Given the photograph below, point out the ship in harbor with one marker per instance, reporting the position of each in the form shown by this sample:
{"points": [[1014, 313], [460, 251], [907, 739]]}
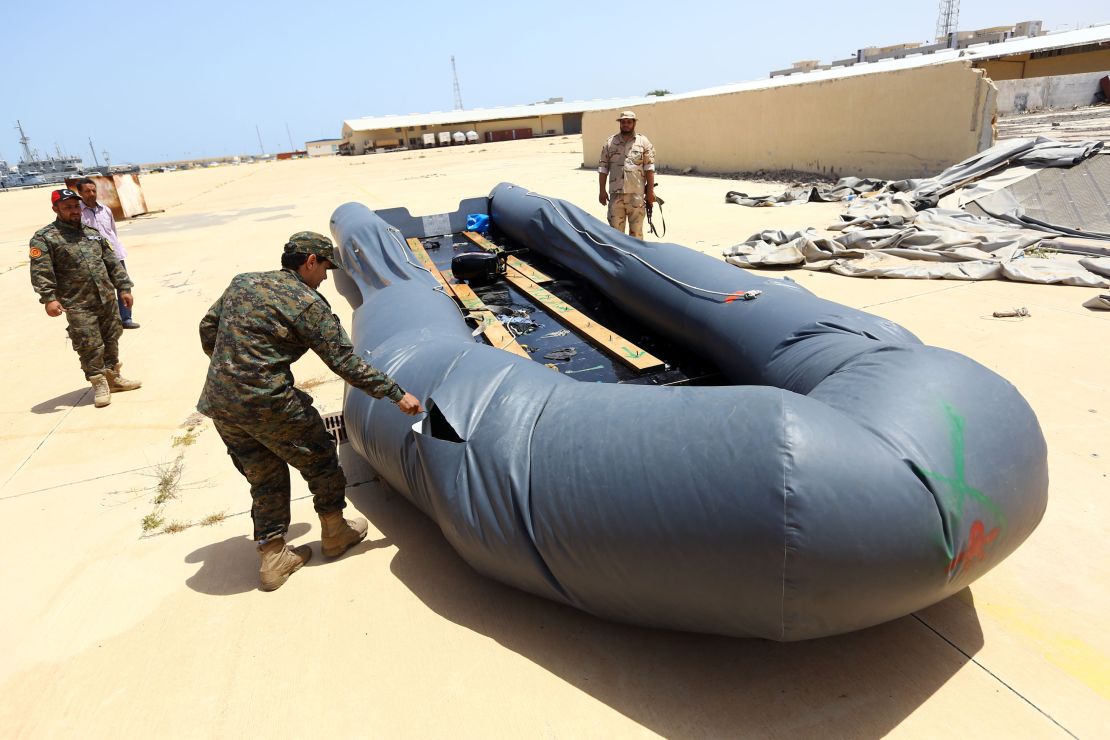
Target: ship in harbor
{"points": [[34, 169]]}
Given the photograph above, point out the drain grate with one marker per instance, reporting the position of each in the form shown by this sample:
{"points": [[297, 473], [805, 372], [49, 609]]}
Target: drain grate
{"points": [[333, 422]]}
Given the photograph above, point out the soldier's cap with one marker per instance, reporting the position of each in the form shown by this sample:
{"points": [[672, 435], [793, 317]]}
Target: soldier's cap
{"points": [[627, 114], [309, 242], [63, 194]]}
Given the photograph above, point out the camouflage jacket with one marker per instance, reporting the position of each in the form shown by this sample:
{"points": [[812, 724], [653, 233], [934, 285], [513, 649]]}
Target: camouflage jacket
{"points": [[626, 161], [261, 325], [75, 266]]}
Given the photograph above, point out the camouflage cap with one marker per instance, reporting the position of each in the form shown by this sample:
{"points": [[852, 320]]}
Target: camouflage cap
{"points": [[309, 242], [627, 115]]}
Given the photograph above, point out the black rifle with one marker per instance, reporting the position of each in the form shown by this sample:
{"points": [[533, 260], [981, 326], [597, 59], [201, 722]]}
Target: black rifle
{"points": [[651, 226]]}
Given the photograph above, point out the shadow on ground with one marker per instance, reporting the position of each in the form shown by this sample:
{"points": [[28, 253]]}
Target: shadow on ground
{"points": [[679, 684], [79, 397], [231, 567]]}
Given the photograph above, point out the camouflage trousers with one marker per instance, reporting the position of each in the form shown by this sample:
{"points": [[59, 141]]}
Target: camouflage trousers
{"points": [[95, 335], [263, 451], [627, 207]]}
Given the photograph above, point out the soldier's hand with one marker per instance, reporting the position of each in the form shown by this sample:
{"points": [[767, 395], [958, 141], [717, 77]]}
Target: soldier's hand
{"points": [[127, 299], [410, 405], [54, 309], [650, 196], [603, 198]]}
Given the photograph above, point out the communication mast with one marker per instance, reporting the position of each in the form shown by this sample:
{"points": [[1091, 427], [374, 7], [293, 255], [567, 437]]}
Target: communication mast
{"points": [[948, 19], [455, 75]]}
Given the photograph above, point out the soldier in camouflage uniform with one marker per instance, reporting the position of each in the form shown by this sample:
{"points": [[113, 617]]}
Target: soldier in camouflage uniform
{"points": [[262, 323], [628, 163], [75, 271]]}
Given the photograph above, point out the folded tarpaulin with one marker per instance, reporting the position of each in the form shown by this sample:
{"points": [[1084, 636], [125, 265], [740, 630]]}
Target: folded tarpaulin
{"points": [[891, 235], [1036, 153], [845, 189], [1040, 152], [940, 245]]}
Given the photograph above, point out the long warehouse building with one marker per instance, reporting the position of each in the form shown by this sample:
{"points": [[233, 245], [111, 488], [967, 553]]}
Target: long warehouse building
{"points": [[420, 130]]}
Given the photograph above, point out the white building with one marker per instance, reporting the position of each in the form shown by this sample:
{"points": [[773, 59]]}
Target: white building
{"points": [[322, 147]]}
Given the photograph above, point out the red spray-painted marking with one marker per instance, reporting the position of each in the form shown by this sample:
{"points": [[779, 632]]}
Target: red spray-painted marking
{"points": [[977, 542]]}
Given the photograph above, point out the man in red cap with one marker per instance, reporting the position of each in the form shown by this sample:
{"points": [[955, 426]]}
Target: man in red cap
{"points": [[75, 271]]}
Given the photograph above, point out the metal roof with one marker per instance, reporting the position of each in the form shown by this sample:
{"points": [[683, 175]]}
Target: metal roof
{"points": [[473, 115], [981, 52]]}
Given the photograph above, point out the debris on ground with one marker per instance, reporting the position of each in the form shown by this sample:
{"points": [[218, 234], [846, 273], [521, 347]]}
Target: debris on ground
{"points": [[1100, 302], [1022, 312]]}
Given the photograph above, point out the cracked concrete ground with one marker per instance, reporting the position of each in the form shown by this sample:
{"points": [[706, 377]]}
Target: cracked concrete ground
{"points": [[110, 631]]}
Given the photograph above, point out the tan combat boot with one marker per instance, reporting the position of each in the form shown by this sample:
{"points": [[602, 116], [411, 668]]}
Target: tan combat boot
{"points": [[341, 534], [103, 394], [279, 562], [119, 383]]}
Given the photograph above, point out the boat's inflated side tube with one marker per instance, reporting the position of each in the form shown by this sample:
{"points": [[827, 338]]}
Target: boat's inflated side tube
{"points": [[856, 476]]}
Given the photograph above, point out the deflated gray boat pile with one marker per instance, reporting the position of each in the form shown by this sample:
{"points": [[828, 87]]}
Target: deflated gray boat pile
{"points": [[851, 475]]}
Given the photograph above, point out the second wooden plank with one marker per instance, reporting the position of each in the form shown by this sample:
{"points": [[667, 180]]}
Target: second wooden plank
{"points": [[613, 344]]}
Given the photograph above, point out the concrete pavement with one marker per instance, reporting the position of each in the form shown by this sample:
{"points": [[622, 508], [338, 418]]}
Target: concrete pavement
{"points": [[110, 631]]}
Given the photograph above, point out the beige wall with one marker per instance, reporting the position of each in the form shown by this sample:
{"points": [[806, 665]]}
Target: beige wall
{"points": [[1022, 67], [907, 123]]}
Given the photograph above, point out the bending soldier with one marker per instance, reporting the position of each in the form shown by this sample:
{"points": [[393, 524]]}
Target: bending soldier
{"points": [[262, 323]]}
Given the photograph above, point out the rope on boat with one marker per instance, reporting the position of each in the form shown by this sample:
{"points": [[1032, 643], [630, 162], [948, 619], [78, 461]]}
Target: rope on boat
{"points": [[625, 252]]}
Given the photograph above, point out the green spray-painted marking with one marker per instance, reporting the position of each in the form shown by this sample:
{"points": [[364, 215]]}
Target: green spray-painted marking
{"points": [[959, 489], [630, 354]]}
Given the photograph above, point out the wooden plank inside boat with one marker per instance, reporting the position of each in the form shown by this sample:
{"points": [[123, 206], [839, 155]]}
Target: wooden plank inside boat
{"points": [[613, 344], [422, 255], [492, 329]]}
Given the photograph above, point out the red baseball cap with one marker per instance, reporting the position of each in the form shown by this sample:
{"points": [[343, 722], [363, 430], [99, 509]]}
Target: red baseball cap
{"points": [[63, 194]]}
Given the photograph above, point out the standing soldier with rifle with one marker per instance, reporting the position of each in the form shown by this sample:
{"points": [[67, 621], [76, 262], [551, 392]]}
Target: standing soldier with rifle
{"points": [[628, 164]]}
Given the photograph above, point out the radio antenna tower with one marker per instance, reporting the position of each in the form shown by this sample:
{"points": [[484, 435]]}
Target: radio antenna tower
{"points": [[455, 75], [948, 19]]}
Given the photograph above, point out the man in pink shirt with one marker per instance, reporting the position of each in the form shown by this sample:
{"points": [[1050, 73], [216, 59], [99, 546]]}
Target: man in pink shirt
{"points": [[100, 218]]}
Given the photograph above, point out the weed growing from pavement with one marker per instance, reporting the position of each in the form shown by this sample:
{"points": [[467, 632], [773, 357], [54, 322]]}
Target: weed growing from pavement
{"points": [[211, 519], [168, 476], [167, 482], [153, 520], [188, 439]]}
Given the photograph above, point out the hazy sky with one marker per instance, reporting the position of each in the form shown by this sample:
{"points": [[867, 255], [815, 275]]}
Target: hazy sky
{"points": [[154, 81]]}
